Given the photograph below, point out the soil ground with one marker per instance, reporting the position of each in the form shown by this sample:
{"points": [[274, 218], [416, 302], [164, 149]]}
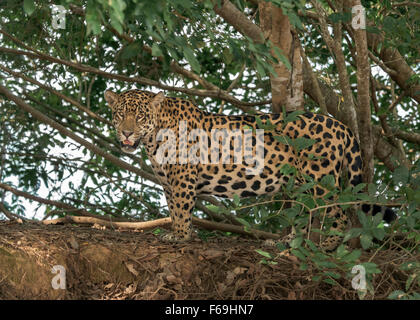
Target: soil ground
{"points": [[117, 264]]}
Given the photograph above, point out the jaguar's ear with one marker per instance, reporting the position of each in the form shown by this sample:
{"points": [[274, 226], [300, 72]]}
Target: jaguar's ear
{"points": [[157, 100], [111, 98]]}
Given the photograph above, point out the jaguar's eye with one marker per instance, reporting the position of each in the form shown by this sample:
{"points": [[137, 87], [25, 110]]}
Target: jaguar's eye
{"points": [[116, 116]]}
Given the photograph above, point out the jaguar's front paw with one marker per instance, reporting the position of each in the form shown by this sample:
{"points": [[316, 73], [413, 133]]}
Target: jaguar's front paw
{"points": [[173, 238]]}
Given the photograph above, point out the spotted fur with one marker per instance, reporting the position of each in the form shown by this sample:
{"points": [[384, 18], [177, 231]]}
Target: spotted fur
{"points": [[139, 115]]}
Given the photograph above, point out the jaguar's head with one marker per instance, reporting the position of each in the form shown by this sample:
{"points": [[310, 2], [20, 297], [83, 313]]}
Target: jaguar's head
{"points": [[134, 115]]}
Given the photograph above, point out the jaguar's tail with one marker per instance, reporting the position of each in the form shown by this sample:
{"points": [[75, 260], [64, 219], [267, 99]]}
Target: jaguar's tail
{"points": [[389, 214], [353, 162]]}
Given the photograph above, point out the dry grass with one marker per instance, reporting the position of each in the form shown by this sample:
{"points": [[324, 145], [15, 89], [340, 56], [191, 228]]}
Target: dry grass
{"points": [[115, 264]]}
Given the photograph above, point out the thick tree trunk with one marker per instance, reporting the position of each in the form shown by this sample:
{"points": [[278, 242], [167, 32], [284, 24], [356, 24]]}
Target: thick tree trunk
{"points": [[383, 149], [363, 100], [286, 85]]}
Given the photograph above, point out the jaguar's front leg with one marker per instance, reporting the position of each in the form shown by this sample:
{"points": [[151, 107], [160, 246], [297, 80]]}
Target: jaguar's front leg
{"points": [[181, 201]]}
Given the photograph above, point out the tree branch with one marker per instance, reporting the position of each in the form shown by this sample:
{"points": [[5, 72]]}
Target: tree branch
{"points": [[238, 20], [217, 93], [383, 150], [363, 101], [92, 219], [57, 93], [43, 118], [334, 45]]}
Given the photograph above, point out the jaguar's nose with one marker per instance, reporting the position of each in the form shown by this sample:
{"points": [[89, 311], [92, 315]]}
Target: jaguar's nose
{"points": [[127, 133]]}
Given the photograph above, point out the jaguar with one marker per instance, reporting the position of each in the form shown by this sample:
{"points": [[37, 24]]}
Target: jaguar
{"points": [[192, 153]]}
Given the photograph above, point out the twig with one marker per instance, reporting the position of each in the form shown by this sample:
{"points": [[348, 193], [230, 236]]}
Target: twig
{"points": [[57, 93], [220, 94], [406, 3], [7, 213], [129, 225], [164, 222]]}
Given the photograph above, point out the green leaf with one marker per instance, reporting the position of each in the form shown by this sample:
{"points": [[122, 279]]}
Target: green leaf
{"points": [[192, 60], [156, 52], [372, 189], [298, 254], [228, 56], [305, 187], [341, 251], [371, 267], [340, 17], [303, 266], [236, 200], [296, 242], [302, 143], [92, 21], [326, 264], [260, 69], [294, 20], [397, 294], [244, 222], [29, 6], [410, 281], [328, 182], [401, 175], [292, 116], [329, 281], [265, 126], [316, 278], [116, 21], [131, 50], [311, 245], [281, 57], [332, 274], [214, 208], [283, 139], [291, 212], [281, 246], [377, 219], [366, 241], [352, 233], [352, 256], [363, 219], [358, 188], [264, 253]]}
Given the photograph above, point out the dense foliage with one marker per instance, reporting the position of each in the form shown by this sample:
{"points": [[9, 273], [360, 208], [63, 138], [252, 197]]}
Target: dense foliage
{"points": [[186, 49]]}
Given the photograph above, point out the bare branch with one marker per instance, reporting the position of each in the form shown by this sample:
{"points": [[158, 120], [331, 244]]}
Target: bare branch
{"points": [[245, 106], [406, 3], [407, 136], [238, 20], [57, 93], [334, 45], [43, 118]]}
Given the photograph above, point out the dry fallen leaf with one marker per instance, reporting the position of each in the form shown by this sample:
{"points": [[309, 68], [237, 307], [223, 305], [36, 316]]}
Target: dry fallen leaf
{"points": [[130, 267], [239, 270], [109, 286], [73, 243], [173, 279], [213, 253]]}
